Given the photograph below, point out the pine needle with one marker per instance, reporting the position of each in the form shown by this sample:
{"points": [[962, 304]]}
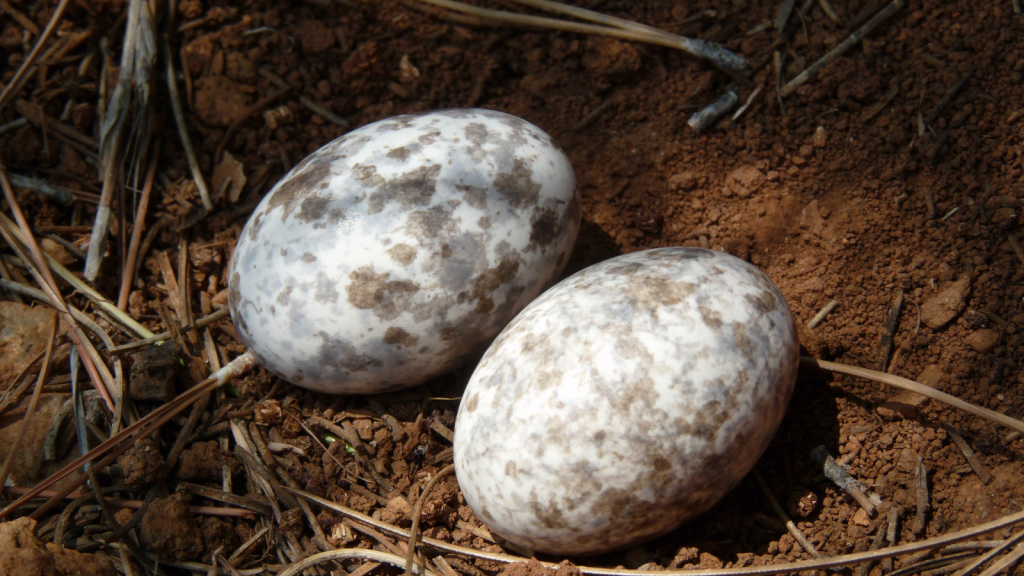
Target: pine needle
{"points": [[622, 29]]}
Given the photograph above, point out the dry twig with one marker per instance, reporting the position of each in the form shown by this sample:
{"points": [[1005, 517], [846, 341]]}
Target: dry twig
{"points": [[972, 459], [15, 84], [889, 331], [948, 96], [708, 115], [199, 324], [825, 311], [876, 543], [842, 479], [793, 530], [921, 485], [841, 48], [116, 444], [140, 223]]}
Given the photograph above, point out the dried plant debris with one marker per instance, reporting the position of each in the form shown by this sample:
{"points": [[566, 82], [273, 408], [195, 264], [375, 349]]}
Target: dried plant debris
{"points": [[880, 153]]}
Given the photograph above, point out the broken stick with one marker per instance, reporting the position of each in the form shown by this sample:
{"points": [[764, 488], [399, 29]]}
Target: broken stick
{"points": [[842, 478], [948, 97], [825, 311], [790, 526], [972, 459], [921, 483], [713, 111]]}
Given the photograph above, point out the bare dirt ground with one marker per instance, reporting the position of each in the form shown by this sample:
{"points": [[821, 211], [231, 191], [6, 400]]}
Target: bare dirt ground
{"points": [[898, 169]]}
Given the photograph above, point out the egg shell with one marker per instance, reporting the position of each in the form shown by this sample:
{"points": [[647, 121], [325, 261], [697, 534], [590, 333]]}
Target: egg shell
{"points": [[396, 252], [626, 400]]}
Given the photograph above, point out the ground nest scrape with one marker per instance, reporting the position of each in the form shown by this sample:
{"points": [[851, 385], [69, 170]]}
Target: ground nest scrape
{"points": [[883, 196]]}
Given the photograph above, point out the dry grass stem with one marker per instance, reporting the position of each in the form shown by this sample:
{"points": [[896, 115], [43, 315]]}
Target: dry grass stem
{"points": [[921, 389], [242, 552], [140, 223], [750, 100], [15, 84], [782, 17], [988, 556], [258, 473], [418, 511], [5, 399], [1006, 561], [179, 118], [110, 383], [98, 299], [199, 324], [699, 48], [345, 553], [337, 431], [923, 498], [948, 97], [116, 445], [816, 564], [1015, 245], [44, 277], [243, 117], [34, 114], [24, 21], [196, 567], [5, 274], [892, 319], [829, 10]]}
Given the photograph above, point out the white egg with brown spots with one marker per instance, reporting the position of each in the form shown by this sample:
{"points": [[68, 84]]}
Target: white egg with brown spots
{"points": [[396, 252], [626, 400]]}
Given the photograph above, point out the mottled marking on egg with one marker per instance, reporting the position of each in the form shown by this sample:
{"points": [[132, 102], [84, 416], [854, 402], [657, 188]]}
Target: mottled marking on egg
{"points": [[626, 400], [433, 228]]}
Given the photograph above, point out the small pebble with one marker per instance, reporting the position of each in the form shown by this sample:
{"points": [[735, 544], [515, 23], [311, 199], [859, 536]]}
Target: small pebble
{"points": [[820, 137], [940, 309], [983, 341]]}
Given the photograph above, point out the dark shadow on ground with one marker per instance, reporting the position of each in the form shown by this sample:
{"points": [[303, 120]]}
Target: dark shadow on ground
{"points": [[593, 245]]}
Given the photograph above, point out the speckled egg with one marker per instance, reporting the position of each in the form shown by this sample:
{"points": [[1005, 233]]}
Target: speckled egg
{"points": [[626, 400], [396, 252]]}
